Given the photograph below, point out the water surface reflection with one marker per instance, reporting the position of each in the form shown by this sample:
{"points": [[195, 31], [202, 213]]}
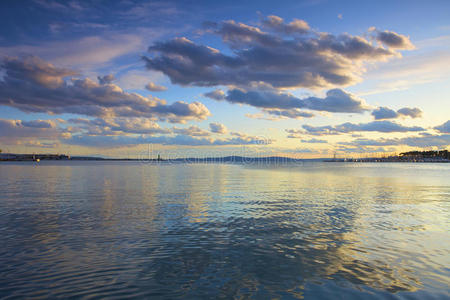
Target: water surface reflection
{"points": [[129, 229]]}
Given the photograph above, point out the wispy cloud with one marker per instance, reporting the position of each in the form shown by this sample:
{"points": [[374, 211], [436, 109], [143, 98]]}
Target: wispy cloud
{"points": [[375, 126], [414, 141], [87, 52], [426, 64]]}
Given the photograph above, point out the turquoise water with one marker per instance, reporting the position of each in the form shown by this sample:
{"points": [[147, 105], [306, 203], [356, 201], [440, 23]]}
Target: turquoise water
{"points": [[312, 230]]}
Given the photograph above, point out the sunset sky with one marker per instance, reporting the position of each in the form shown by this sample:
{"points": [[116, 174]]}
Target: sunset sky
{"points": [[211, 78]]}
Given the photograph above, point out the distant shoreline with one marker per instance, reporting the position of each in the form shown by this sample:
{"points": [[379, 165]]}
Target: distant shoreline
{"points": [[225, 159], [442, 156]]}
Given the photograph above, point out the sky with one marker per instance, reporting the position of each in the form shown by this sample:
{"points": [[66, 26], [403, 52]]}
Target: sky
{"points": [[304, 79]]}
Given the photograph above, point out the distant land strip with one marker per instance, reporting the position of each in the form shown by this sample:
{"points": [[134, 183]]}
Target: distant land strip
{"points": [[412, 156]]}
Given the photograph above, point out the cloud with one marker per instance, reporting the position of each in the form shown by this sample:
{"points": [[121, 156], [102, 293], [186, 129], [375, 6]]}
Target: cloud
{"points": [[394, 40], [384, 113], [417, 68], [444, 128], [39, 123], [215, 95], [426, 141], [278, 103], [113, 132], [423, 141], [87, 52], [20, 132], [243, 138], [344, 149], [410, 112], [287, 60], [136, 79], [276, 23], [191, 131], [33, 85], [33, 70], [377, 126], [217, 128], [315, 141], [280, 114], [118, 132], [107, 79], [337, 100], [118, 126], [293, 113], [263, 99], [381, 113], [155, 88], [261, 116], [181, 140]]}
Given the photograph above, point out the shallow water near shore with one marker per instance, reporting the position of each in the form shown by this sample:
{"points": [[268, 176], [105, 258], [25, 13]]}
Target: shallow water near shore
{"points": [[312, 230]]}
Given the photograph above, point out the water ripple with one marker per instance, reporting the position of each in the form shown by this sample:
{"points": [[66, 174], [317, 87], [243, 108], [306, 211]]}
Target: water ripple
{"points": [[125, 230]]}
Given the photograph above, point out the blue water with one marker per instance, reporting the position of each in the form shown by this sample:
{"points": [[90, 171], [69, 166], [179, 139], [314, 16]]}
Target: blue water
{"points": [[198, 231]]}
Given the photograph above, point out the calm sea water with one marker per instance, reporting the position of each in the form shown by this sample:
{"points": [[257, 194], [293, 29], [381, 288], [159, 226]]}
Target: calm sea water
{"points": [[315, 231]]}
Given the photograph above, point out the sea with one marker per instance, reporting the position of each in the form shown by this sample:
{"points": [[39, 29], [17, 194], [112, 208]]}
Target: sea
{"points": [[159, 230]]}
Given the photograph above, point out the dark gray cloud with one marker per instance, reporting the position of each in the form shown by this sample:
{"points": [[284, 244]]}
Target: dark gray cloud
{"points": [[32, 85], [381, 113], [336, 100], [107, 79], [39, 123], [32, 71], [155, 88], [377, 126], [217, 128], [444, 128], [394, 40], [280, 61], [410, 112], [264, 99]]}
